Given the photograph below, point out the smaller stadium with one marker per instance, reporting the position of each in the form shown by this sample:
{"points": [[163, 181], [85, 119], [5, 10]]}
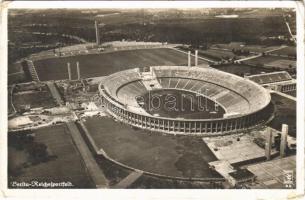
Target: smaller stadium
{"points": [[185, 100]]}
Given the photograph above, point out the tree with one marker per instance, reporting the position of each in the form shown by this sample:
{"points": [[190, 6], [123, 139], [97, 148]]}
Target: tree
{"points": [[38, 152]]}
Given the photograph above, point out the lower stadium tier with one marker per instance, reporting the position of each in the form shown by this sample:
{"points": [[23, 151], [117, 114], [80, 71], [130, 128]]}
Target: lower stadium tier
{"points": [[185, 100]]}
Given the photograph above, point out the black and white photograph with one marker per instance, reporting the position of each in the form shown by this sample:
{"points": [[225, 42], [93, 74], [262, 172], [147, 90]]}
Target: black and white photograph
{"points": [[152, 98]]}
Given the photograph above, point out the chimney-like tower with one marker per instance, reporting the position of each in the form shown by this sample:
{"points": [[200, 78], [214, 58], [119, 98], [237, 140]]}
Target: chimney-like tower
{"points": [[69, 71], [196, 57], [78, 70], [268, 143], [283, 140], [189, 59], [97, 33]]}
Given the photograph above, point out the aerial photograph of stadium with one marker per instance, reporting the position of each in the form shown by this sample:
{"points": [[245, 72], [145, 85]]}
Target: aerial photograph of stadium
{"points": [[161, 98]]}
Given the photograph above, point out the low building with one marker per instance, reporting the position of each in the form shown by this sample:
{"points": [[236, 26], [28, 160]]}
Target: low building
{"points": [[241, 176], [279, 81]]}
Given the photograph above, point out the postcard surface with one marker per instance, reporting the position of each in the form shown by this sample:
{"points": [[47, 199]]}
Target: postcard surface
{"points": [[204, 96]]}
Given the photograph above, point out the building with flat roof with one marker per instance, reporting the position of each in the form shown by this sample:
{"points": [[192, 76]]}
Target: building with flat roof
{"points": [[279, 81]]}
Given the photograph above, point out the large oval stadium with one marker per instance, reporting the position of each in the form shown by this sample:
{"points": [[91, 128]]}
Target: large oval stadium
{"points": [[185, 100]]}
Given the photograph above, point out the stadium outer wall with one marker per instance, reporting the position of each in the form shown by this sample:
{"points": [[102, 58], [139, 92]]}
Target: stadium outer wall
{"points": [[209, 127], [203, 127]]}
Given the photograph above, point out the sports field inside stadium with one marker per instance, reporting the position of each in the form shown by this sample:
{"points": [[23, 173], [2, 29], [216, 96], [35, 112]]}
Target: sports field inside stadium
{"points": [[177, 156], [188, 105], [94, 65]]}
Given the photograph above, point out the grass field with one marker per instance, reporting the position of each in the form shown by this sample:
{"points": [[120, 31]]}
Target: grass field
{"points": [[14, 68], [107, 63], [15, 73], [217, 55], [251, 48], [285, 113], [168, 155], [282, 63], [290, 51], [67, 166], [271, 61], [35, 99]]}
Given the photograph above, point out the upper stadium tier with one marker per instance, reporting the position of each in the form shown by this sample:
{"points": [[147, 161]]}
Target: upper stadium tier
{"points": [[245, 104]]}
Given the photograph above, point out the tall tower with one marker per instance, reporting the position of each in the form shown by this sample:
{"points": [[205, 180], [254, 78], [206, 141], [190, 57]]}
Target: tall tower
{"points": [[69, 71], [189, 59], [283, 140], [196, 57], [78, 70], [97, 33], [268, 143]]}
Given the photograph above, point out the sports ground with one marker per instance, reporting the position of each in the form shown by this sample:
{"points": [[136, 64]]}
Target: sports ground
{"points": [[94, 65], [187, 105]]}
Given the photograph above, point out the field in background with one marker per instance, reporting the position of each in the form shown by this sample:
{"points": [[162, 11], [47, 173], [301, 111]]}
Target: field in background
{"points": [[241, 45], [242, 69], [289, 51], [168, 25], [218, 54], [272, 61]]}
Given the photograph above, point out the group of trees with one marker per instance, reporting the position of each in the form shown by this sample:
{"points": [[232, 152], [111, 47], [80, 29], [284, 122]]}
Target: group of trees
{"points": [[25, 140]]}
